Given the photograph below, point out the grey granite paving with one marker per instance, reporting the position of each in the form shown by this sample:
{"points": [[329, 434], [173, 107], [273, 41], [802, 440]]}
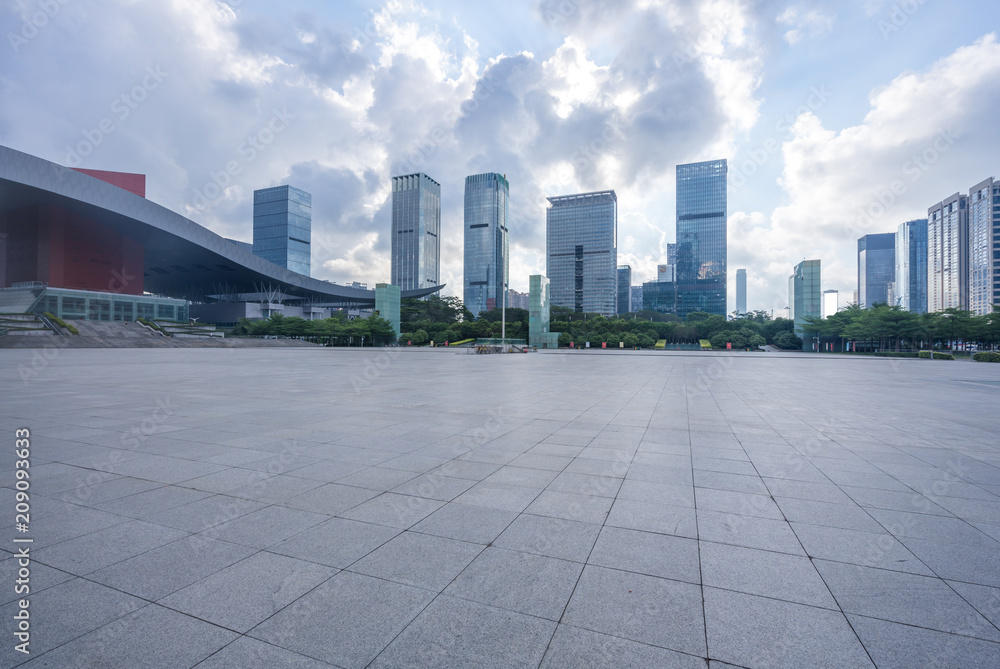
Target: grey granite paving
{"points": [[254, 507]]}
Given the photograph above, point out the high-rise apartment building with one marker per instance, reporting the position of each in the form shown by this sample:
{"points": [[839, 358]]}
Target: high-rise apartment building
{"points": [[486, 243], [984, 246], [876, 268], [416, 232], [805, 295], [741, 291], [582, 251], [282, 227], [910, 286], [624, 289], [517, 300], [948, 254], [701, 237]]}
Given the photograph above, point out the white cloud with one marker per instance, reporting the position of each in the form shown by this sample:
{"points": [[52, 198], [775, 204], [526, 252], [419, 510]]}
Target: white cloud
{"points": [[927, 135], [623, 95], [805, 23]]}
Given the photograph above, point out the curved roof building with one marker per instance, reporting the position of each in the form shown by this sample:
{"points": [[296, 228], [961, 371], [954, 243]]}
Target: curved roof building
{"points": [[95, 231]]}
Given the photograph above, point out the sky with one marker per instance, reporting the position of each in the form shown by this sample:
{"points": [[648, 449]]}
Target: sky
{"points": [[838, 119]]}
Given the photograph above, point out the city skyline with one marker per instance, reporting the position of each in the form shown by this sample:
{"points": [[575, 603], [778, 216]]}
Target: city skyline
{"points": [[561, 97]]}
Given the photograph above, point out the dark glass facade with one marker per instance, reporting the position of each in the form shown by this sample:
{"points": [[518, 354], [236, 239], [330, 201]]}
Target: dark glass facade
{"points": [[582, 251], [624, 289], [282, 227], [487, 199], [911, 266], [876, 268], [659, 296], [416, 230], [701, 237]]}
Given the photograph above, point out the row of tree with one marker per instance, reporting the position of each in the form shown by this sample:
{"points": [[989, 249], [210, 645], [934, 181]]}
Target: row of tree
{"points": [[446, 319], [334, 331], [441, 319], [884, 327]]}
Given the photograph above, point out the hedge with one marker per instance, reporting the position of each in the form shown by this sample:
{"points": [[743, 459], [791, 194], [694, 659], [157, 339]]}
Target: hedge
{"points": [[61, 323], [987, 356], [938, 355]]}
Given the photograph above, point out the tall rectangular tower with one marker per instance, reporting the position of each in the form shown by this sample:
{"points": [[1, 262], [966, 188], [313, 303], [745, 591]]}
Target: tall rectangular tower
{"points": [[624, 289], [282, 227], [984, 246], [486, 243], [948, 254], [807, 296], [701, 237], [876, 268], [582, 246], [911, 266], [741, 291], [831, 302], [416, 230]]}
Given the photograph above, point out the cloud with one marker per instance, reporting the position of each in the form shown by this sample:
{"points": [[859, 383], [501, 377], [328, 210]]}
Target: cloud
{"points": [[926, 135], [626, 92], [805, 23]]}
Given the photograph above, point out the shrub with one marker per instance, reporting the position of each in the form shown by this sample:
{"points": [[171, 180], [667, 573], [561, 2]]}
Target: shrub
{"points": [[61, 323], [938, 355], [787, 340], [987, 356]]}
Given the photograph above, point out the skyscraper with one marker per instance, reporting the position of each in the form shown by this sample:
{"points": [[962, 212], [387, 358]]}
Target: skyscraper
{"points": [[416, 230], [486, 243], [876, 268], [636, 298], [582, 247], [806, 298], [984, 246], [911, 266], [948, 254], [701, 237], [741, 291], [624, 289], [671, 254], [282, 227], [831, 302]]}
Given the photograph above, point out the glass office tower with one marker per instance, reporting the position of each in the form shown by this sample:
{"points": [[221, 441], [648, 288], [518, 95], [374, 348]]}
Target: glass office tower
{"points": [[984, 246], [911, 266], [582, 245], [876, 268], [741, 291], [636, 298], [486, 243], [624, 289], [948, 254], [416, 230], [282, 227], [807, 296], [701, 237]]}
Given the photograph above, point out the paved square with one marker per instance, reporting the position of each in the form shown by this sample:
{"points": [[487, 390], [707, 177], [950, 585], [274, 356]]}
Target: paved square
{"points": [[428, 508]]}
